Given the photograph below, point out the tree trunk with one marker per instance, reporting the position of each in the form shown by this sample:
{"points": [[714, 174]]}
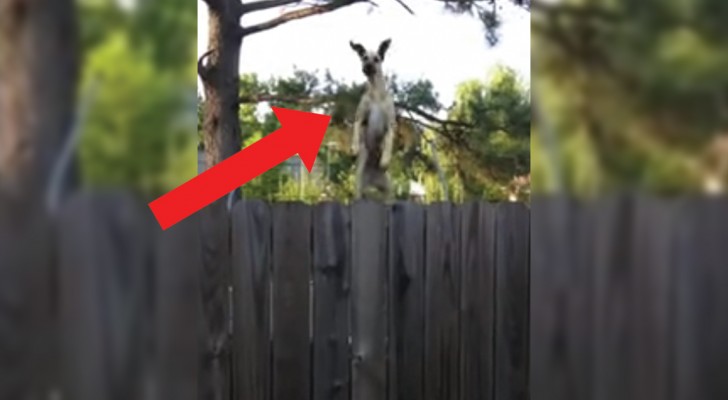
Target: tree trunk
{"points": [[39, 65], [221, 130]]}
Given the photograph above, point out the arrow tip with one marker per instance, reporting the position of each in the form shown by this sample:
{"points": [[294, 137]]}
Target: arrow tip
{"points": [[307, 129]]}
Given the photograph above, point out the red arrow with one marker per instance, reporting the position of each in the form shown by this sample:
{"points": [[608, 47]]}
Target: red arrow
{"points": [[300, 133]]}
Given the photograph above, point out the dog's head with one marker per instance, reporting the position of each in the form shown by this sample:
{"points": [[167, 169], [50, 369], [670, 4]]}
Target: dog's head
{"points": [[371, 61]]}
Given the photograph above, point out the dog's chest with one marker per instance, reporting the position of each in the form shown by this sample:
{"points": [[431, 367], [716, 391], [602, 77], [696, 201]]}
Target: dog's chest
{"points": [[375, 126]]}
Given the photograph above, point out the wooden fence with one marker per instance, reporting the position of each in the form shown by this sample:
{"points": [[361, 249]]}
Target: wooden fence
{"points": [[373, 302], [629, 299], [361, 302], [625, 298]]}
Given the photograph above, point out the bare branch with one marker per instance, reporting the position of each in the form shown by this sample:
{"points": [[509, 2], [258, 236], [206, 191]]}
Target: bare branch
{"points": [[406, 7], [293, 100], [299, 14], [432, 118], [266, 4]]}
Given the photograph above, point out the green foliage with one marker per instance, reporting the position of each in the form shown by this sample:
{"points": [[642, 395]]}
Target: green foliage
{"points": [[473, 155], [137, 133]]}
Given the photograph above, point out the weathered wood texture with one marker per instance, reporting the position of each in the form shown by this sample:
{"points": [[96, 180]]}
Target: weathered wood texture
{"points": [[369, 301], [332, 271], [252, 265], [103, 292], [328, 302], [442, 303], [626, 299], [407, 294], [511, 311], [291, 309]]}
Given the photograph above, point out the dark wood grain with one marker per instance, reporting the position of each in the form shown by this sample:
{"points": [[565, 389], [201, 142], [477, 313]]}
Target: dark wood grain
{"points": [[477, 255], [406, 293], [512, 276], [251, 278], [442, 303], [332, 264], [560, 329], [652, 255], [369, 301], [103, 277], [27, 331], [178, 316], [291, 297], [701, 301], [214, 369], [614, 299]]}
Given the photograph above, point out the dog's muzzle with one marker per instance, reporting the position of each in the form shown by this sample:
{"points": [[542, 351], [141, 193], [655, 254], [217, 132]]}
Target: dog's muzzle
{"points": [[368, 69]]}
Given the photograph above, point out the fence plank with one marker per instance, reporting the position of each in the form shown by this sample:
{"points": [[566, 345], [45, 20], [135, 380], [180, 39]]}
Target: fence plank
{"points": [[214, 372], [477, 247], [251, 277], [614, 300], [442, 303], [652, 258], [560, 299], [27, 335], [368, 301], [406, 291], [701, 301], [102, 283], [178, 314], [291, 273], [512, 274], [331, 262]]}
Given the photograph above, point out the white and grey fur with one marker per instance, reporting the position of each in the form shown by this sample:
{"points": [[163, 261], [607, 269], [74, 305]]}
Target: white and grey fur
{"points": [[375, 123]]}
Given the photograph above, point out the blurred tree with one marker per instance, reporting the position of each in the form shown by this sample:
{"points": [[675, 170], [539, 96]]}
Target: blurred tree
{"points": [[642, 86], [131, 135], [137, 131], [39, 69]]}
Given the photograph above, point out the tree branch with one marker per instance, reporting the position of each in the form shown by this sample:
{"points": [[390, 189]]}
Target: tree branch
{"points": [[406, 7], [299, 14], [266, 4]]}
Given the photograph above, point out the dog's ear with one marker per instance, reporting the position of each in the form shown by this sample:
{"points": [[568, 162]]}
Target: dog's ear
{"points": [[383, 47], [358, 48]]}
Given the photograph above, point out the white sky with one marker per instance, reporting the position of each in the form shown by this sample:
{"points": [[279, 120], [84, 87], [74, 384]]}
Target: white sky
{"points": [[433, 44]]}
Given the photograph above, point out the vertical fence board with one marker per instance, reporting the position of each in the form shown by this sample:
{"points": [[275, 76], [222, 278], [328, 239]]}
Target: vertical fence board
{"points": [[406, 291], [27, 334], [442, 316], [251, 274], [613, 300], [560, 301], [331, 263], [477, 246], [178, 309], [291, 273], [214, 371], [512, 275], [652, 256], [102, 285], [368, 301], [701, 301]]}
